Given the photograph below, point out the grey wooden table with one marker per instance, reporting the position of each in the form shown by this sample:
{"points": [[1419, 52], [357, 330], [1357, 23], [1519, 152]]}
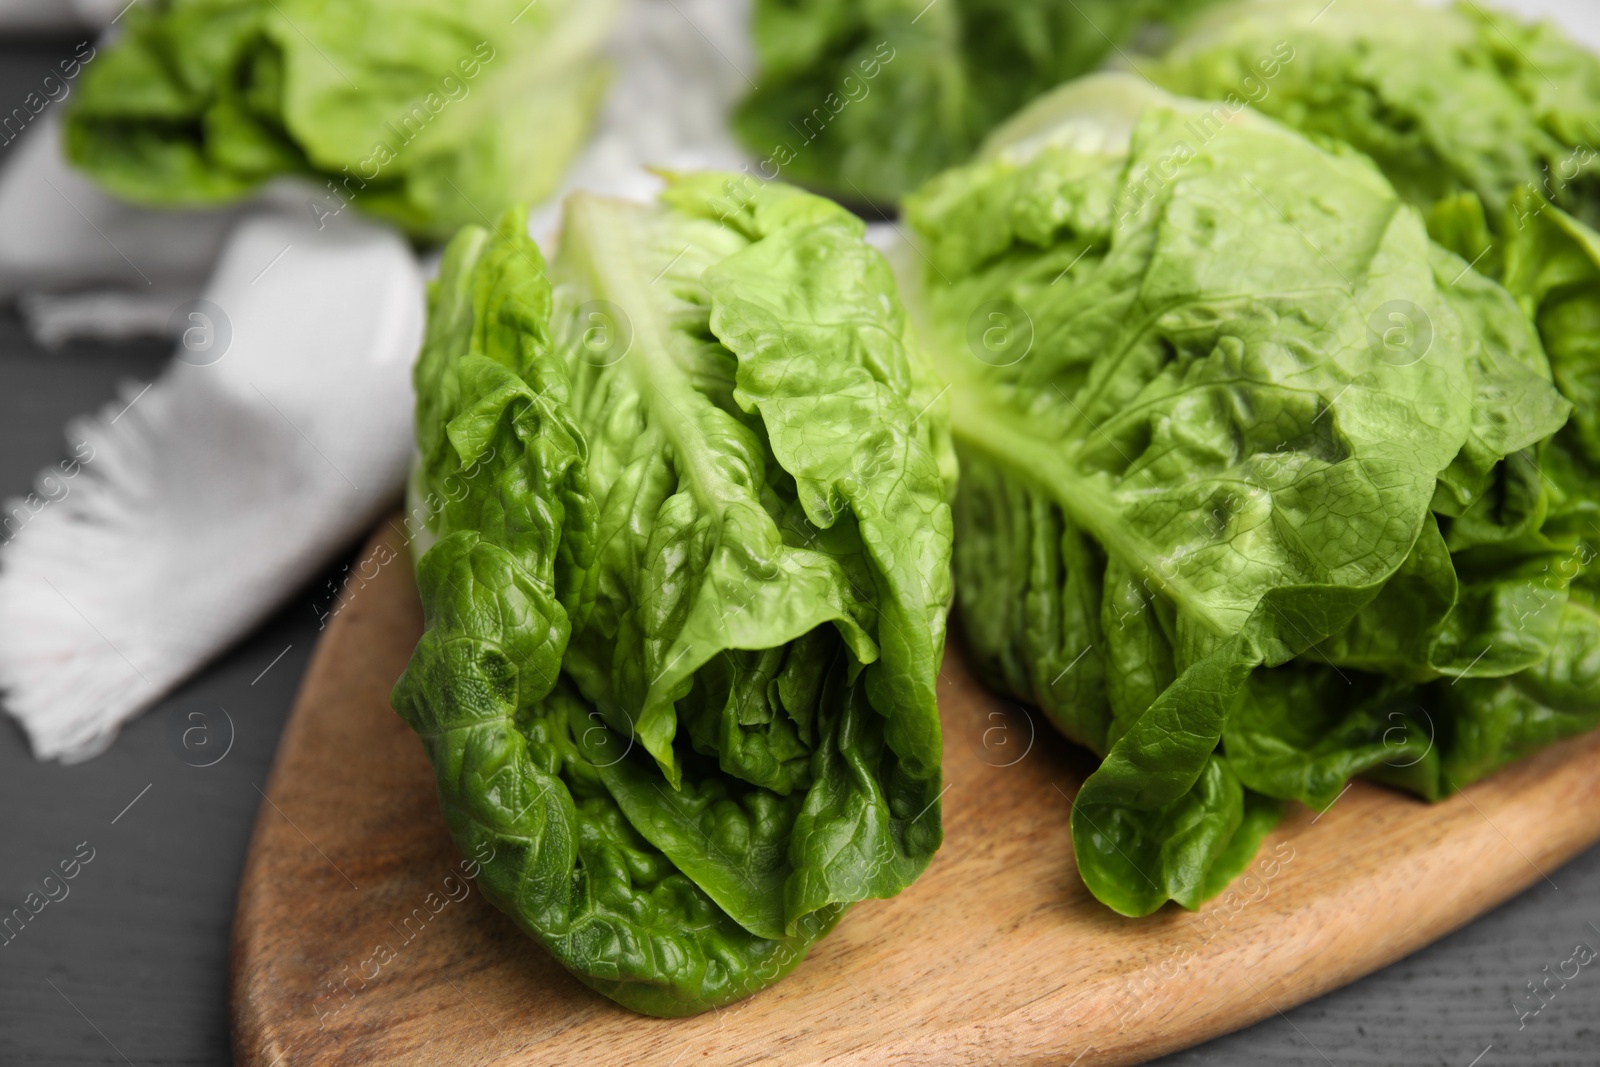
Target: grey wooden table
{"points": [[130, 967]]}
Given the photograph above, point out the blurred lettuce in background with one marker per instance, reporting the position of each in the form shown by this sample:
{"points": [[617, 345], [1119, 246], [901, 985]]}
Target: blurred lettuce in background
{"points": [[866, 100], [1447, 101], [428, 115]]}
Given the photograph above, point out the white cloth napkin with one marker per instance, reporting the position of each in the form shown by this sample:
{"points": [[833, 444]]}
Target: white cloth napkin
{"points": [[188, 510], [193, 506]]}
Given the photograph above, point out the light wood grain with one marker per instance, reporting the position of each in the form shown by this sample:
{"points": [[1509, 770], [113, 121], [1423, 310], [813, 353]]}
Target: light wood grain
{"points": [[998, 955]]}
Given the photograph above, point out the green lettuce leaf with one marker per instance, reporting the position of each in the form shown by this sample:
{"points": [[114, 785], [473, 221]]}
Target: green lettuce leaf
{"points": [[1476, 603], [687, 583], [1552, 265], [1305, 732], [428, 115], [865, 101], [1491, 722]]}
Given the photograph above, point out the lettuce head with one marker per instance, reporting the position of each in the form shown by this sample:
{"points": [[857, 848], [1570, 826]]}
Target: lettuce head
{"points": [[686, 580], [429, 115], [1261, 487]]}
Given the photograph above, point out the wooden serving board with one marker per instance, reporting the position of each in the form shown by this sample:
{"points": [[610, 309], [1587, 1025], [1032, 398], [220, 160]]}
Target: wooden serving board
{"points": [[358, 941]]}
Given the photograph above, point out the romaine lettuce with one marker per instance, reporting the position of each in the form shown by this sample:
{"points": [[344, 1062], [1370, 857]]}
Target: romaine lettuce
{"points": [[1251, 494], [687, 583], [428, 115], [866, 100]]}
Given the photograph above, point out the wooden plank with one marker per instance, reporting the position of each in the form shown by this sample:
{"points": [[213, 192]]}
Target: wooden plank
{"points": [[358, 941]]}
